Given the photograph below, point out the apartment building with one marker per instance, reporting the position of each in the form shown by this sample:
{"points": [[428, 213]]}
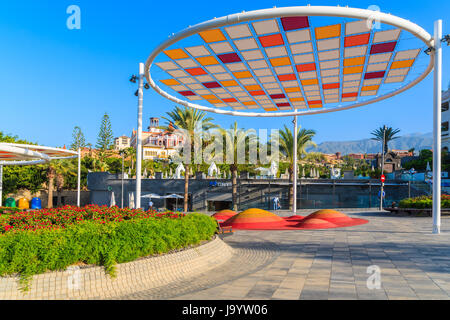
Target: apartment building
{"points": [[157, 143]]}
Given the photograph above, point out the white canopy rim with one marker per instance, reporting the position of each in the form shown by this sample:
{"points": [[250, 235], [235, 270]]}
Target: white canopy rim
{"points": [[344, 12], [27, 154], [12, 154]]}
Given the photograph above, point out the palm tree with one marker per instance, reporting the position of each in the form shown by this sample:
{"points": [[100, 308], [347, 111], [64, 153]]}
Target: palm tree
{"points": [[234, 138], [56, 170], [389, 134], [152, 166], [130, 152], [89, 145], [189, 120], [99, 165], [286, 142], [63, 168]]}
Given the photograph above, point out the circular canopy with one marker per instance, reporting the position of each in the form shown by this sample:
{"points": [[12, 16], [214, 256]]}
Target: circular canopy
{"points": [[290, 61], [23, 154]]}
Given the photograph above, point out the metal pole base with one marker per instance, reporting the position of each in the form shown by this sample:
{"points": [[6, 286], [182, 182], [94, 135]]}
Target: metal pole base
{"points": [[436, 229]]}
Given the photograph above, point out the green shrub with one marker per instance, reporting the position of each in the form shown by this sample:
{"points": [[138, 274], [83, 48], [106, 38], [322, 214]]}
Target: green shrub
{"points": [[423, 202], [32, 252]]}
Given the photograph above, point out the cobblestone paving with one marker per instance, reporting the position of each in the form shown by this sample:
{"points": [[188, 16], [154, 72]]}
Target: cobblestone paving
{"points": [[255, 255], [329, 264]]}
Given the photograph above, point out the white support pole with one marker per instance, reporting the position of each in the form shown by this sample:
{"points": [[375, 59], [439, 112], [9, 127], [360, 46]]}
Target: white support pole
{"points": [[437, 127], [79, 178], [294, 198], [139, 136], [121, 198], [383, 151], [1, 185]]}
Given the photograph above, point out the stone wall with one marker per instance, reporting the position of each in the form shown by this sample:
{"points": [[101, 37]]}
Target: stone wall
{"points": [[67, 197], [139, 275], [252, 193]]}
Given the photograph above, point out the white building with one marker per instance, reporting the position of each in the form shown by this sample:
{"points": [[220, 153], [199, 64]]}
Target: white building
{"points": [[122, 142], [157, 143], [445, 134]]}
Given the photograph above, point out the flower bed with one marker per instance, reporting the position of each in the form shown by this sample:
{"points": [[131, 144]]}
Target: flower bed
{"points": [[58, 218], [8, 210], [424, 202], [33, 242]]}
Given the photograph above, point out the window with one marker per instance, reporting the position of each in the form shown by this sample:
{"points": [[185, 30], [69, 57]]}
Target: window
{"points": [[444, 126], [151, 153], [445, 106]]}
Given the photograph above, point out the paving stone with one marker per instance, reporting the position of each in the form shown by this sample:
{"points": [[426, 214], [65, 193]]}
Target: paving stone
{"points": [[313, 264]]}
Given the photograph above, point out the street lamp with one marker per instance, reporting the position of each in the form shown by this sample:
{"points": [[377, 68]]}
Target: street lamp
{"points": [[139, 93]]}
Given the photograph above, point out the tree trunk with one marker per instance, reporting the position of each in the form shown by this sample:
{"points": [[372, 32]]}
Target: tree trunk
{"points": [[291, 188], [51, 177], [186, 188], [234, 187]]}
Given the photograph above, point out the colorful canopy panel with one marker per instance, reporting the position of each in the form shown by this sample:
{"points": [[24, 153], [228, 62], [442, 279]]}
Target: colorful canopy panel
{"points": [[286, 63]]}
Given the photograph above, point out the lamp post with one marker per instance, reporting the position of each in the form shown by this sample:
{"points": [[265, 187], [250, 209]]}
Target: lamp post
{"points": [[139, 136], [140, 94], [437, 127], [121, 199], [79, 178]]}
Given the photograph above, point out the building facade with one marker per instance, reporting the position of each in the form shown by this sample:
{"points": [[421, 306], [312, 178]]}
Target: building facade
{"points": [[157, 143], [121, 143], [392, 162]]}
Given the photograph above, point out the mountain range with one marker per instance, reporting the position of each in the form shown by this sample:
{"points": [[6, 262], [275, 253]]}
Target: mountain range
{"points": [[418, 141]]}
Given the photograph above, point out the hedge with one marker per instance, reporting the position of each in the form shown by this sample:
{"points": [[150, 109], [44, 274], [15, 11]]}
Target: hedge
{"points": [[27, 252], [423, 202]]}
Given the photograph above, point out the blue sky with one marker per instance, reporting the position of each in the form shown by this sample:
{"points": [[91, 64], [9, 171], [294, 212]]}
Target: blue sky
{"points": [[53, 78]]}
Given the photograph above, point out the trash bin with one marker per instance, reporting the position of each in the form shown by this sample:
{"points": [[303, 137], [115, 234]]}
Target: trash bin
{"points": [[23, 203], [36, 203], [10, 202]]}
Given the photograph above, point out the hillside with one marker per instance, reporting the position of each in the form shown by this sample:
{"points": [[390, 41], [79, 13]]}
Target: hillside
{"points": [[418, 141]]}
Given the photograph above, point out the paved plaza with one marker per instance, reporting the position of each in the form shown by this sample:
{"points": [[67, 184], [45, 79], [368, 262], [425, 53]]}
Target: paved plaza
{"points": [[328, 264]]}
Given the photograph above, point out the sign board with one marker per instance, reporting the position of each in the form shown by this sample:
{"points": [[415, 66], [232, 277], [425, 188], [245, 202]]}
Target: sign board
{"points": [[379, 193], [383, 178]]}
